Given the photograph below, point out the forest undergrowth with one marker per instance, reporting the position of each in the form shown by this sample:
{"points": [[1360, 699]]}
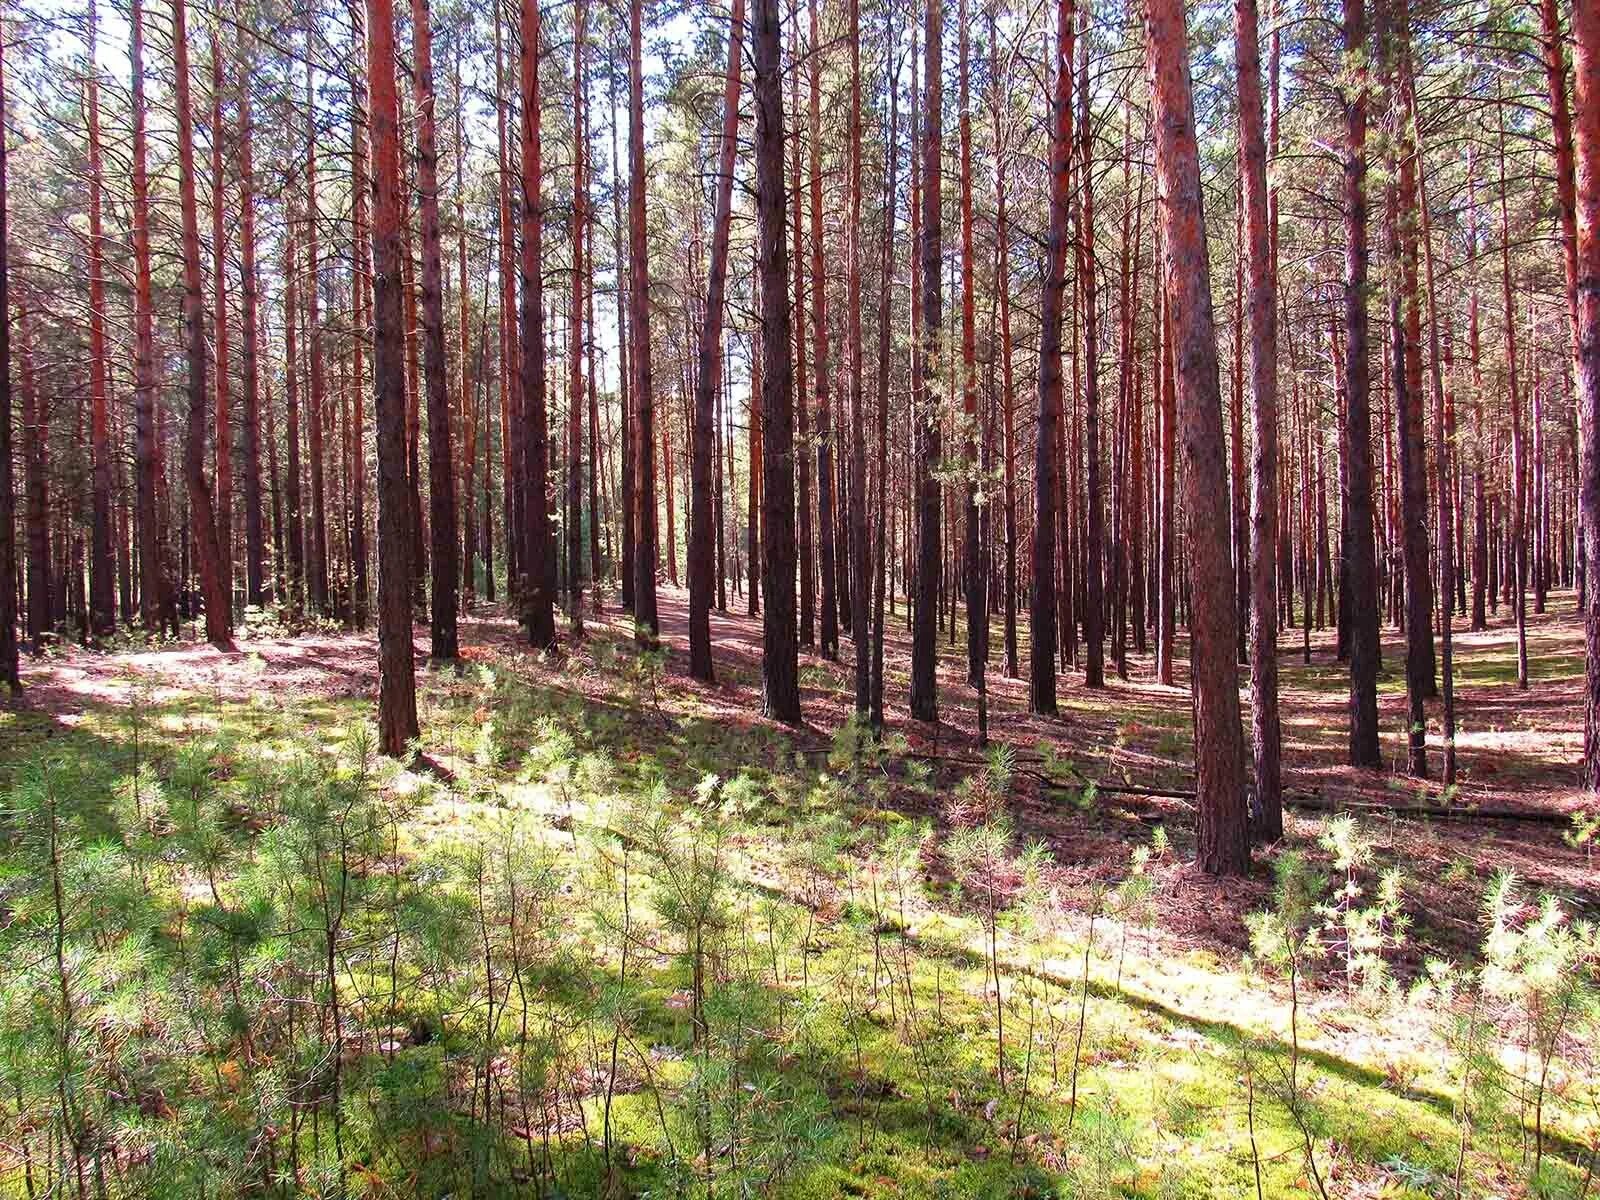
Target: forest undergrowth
{"points": [[599, 940]]}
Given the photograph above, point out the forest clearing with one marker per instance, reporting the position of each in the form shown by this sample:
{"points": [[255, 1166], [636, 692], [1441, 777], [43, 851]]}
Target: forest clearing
{"points": [[800, 598]]}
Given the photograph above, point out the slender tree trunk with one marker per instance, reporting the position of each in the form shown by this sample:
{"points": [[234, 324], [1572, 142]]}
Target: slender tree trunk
{"points": [[1586, 79], [780, 664], [971, 549], [537, 553], [443, 561], [708, 378], [821, 364], [1516, 530], [860, 549], [35, 490], [154, 598], [361, 234], [250, 352], [102, 563], [883, 576], [1359, 554], [645, 550], [9, 666], [1046, 464], [1222, 845], [317, 563], [580, 278], [397, 695], [202, 516], [1265, 731], [219, 254], [1094, 672], [924, 653]]}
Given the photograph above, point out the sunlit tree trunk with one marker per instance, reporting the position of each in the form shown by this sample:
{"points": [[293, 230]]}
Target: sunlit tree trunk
{"points": [[443, 560], [9, 666], [645, 552], [883, 576], [780, 669], [1094, 664], [1221, 837], [397, 696], [155, 602], [1586, 76], [202, 515], [1265, 730], [708, 378], [925, 386], [102, 562]]}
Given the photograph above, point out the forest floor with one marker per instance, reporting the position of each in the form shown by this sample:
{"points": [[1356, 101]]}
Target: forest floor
{"points": [[1091, 787]]}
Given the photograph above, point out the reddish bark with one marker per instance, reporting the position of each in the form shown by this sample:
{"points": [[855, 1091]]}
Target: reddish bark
{"points": [[860, 560], [9, 672], [102, 564], [155, 602], [202, 515], [926, 374], [1265, 728], [317, 552], [1586, 79], [219, 284], [1094, 667], [575, 393], [645, 551], [708, 378], [444, 559], [397, 695], [250, 350], [1222, 845]]}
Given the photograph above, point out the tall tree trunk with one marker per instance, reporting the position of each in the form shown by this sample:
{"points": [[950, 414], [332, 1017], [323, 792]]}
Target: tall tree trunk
{"points": [[443, 560], [1052, 306], [538, 555], [219, 286], [250, 351], [1586, 79], [154, 599], [102, 563], [9, 666], [708, 379], [35, 490], [1516, 529], [397, 694], [202, 516], [317, 563], [361, 250], [821, 364], [510, 374], [780, 658], [1094, 670], [883, 575], [1222, 845], [580, 276], [924, 654], [1265, 731], [807, 550], [1358, 548], [971, 551], [645, 553], [860, 550]]}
